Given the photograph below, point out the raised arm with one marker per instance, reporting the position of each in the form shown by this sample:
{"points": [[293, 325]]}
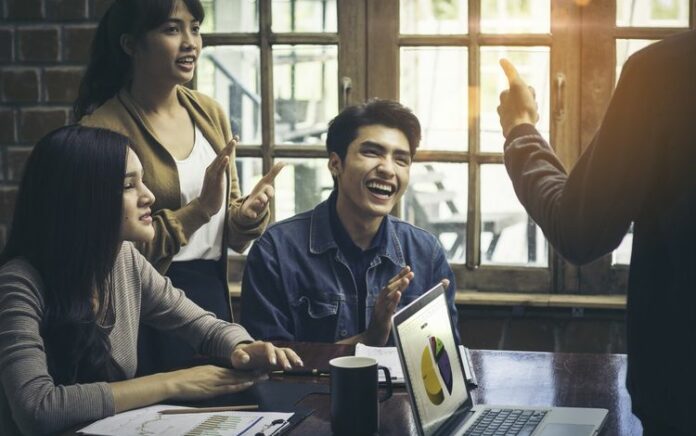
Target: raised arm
{"points": [[173, 228], [241, 227], [585, 214]]}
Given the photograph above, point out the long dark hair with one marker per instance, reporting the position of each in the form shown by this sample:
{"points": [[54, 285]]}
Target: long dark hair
{"points": [[109, 67], [67, 225]]}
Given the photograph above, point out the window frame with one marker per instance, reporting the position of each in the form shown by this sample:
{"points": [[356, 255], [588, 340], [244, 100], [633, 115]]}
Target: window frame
{"points": [[473, 275], [350, 39], [582, 42]]}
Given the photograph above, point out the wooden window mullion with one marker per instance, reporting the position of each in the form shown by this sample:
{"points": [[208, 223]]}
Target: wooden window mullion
{"points": [[473, 221], [267, 99]]}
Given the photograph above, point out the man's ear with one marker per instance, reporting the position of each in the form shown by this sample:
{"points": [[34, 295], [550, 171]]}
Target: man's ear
{"points": [[127, 44], [335, 164]]}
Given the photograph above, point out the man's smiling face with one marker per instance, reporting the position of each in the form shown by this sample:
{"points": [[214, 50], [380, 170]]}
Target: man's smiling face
{"points": [[375, 171]]}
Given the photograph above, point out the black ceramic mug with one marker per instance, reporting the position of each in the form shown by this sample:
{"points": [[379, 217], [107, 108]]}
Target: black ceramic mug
{"points": [[354, 400]]}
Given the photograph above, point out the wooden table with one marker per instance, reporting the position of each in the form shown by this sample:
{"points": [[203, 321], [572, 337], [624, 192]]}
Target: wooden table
{"points": [[504, 377]]}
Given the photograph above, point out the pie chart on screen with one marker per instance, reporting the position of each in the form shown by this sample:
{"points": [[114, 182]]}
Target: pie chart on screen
{"points": [[434, 361]]}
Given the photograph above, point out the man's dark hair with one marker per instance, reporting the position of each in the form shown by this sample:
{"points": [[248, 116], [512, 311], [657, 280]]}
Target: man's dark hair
{"points": [[343, 129]]}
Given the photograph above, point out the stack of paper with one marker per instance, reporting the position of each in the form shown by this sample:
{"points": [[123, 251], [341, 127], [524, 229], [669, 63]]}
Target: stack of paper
{"points": [[148, 421]]}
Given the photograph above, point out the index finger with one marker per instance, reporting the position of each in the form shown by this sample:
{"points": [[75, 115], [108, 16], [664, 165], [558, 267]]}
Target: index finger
{"points": [[275, 170], [509, 70]]}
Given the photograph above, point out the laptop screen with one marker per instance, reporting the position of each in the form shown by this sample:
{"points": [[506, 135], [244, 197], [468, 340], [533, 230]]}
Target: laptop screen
{"points": [[432, 365]]}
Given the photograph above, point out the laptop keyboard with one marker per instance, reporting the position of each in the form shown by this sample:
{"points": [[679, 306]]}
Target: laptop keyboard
{"points": [[499, 422]]}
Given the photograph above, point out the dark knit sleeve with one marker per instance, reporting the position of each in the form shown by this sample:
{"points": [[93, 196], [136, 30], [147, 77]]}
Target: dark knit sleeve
{"points": [[586, 213]]}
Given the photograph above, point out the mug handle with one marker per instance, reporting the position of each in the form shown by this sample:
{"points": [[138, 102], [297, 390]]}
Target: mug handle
{"points": [[387, 377]]}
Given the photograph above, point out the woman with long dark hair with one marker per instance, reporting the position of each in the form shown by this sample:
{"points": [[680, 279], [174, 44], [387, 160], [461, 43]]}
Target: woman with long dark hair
{"points": [[143, 52], [73, 291]]}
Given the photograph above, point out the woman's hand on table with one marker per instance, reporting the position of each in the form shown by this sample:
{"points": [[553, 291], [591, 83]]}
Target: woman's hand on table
{"points": [[206, 381]]}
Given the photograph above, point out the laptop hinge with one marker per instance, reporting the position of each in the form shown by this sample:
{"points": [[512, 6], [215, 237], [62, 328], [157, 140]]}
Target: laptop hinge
{"points": [[454, 425]]}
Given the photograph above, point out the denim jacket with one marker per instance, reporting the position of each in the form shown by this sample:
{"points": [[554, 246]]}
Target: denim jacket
{"points": [[297, 284]]}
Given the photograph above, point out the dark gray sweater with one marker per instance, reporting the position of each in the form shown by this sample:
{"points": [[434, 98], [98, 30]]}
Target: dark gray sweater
{"points": [[640, 168]]}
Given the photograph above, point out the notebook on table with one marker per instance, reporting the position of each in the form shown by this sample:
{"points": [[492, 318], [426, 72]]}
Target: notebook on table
{"points": [[439, 395]]}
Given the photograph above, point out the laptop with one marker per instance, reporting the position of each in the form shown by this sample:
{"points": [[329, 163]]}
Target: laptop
{"points": [[438, 393]]}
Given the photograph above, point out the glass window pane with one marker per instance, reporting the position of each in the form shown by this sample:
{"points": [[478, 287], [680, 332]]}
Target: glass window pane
{"points": [[622, 255], [301, 185], [625, 48], [231, 76], [436, 200], [508, 235], [652, 13], [434, 16], [304, 15], [533, 66], [515, 16], [305, 92], [433, 83], [230, 16]]}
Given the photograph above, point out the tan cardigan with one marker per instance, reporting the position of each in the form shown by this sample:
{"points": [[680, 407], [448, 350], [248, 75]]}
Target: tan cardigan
{"points": [[173, 222]]}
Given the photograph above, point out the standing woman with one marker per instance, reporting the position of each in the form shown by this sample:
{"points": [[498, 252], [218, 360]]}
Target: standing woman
{"points": [[142, 54], [73, 291]]}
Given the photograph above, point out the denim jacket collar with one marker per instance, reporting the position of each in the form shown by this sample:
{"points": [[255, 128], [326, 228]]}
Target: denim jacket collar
{"points": [[321, 237]]}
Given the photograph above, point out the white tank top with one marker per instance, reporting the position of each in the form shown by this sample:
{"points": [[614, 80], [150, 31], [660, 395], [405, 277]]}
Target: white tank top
{"points": [[206, 242]]}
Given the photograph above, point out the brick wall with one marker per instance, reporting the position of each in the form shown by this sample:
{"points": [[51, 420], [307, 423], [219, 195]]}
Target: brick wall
{"points": [[44, 46]]}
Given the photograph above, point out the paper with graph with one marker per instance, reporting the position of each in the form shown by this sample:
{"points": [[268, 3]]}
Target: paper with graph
{"points": [[149, 422]]}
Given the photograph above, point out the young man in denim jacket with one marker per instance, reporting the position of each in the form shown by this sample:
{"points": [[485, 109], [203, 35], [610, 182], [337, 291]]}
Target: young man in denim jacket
{"points": [[339, 272]]}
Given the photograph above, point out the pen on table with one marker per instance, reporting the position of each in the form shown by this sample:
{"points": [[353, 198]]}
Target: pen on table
{"points": [[303, 372], [208, 409]]}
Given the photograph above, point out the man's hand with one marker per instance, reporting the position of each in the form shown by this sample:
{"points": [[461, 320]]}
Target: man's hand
{"points": [[256, 203], [264, 356], [517, 104], [388, 299]]}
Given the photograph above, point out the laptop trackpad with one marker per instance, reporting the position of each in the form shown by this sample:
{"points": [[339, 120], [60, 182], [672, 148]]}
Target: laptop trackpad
{"points": [[552, 429]]}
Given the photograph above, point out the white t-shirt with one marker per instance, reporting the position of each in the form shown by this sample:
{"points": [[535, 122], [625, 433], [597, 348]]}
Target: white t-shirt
{"points": [[206, 242]]}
